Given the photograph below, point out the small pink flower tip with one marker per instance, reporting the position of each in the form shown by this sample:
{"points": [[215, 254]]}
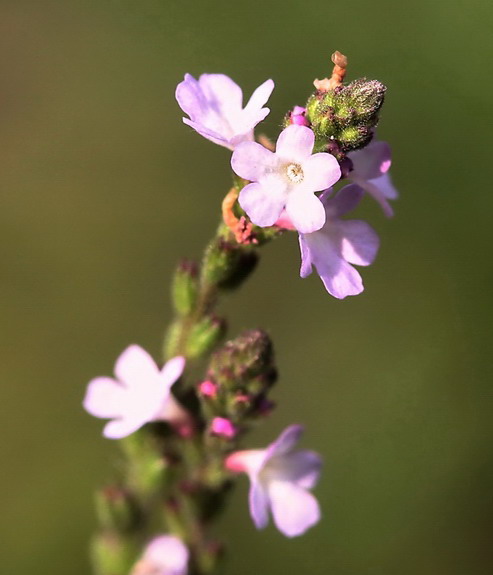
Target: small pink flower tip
{"points": [[297, 116], [223, 427], [235, 462], [208, 389]]}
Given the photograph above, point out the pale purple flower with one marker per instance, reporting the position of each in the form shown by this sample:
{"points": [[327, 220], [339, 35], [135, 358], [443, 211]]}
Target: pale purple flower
{"points": [[140, 393], [297, 116], [164, 555], [370, 171], [280, 478], [215, 106], [285, 179], [339, 244]]}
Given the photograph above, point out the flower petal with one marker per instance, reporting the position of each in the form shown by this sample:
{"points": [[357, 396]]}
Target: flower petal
{"points": [[104, 397], [294, 510], [258, 99], [320, 171], [135, 367], [306, 211], [168, 554], [259, 503], [252, 161], [295, 143], [346, 199], [301, 467], [172, 370], [263, 205], [119, 428], [306, 259], [285, 442], [223, 95], [371, 161], [360, 242]]}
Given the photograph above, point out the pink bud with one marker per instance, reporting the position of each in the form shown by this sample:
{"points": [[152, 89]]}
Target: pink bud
{"points": [[208, 388], [297, 116], [224, 427]]}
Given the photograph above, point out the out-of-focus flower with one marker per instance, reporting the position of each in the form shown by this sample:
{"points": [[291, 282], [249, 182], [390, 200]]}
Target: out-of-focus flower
{"points": [[339, 244], [285, 179], [215, 106], [140, 393], [280, 478], [370, 170], [164, 555]]}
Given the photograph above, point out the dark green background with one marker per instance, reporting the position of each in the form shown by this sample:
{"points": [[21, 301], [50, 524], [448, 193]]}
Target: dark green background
{"points": [[103, 189]]}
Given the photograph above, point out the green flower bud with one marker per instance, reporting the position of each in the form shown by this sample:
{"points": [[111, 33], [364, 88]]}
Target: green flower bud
{"points": [[112, 554], [346, 115], [227, 264], [204, 336], [185, 287], [116, 509]]}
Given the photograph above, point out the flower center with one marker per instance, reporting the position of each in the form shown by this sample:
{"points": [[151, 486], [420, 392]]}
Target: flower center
{"points": [[295, 173]]}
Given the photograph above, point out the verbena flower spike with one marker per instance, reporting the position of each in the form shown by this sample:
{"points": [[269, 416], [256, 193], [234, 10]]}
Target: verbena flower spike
{"points": [[184, 432]]}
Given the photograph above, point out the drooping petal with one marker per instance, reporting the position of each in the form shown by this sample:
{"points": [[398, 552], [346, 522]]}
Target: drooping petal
{"points": [[224, 97], [306, 258], [306, 211], [321, 171], [209, 134], [259, 504], [135, 367], [104, 397], [339, 278], [252, 161], [263, 204], [295, 143], [286, 441], [360, 242], [293, 508]]}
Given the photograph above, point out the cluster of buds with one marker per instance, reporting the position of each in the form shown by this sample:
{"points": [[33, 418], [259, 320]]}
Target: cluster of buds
{"points": [[239, 378]]}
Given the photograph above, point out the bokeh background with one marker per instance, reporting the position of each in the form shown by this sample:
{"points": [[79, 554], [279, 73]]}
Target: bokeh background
{"points": [[103, 189]]}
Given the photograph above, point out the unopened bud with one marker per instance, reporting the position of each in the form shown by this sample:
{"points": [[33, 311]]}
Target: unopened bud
{"points": [[204, 336], [112, 553], [185, 287], [116, 509], [227, 264]]}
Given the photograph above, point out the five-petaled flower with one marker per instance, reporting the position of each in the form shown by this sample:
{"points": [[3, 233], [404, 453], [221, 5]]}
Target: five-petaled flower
{"points": [[140, 393], [370, 170], [280, 478], [215, 106], [339, 244], [285, 179], [164, 555]]}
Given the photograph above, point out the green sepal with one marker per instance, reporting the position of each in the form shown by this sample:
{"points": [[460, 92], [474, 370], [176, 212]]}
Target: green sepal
{"points": [[204, 336]]}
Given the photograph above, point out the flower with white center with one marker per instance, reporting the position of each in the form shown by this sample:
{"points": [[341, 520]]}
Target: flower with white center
{"points": [[285, 179], [339, 244], [370, 171], [140, 393], [164, 555], [215, 106], [280, 478]]}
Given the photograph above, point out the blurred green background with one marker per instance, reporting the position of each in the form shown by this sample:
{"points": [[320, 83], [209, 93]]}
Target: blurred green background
{"points": [[103, 189]]}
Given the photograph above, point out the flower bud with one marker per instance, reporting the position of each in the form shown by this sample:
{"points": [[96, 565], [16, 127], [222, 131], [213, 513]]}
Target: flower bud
{"points": [[116, 509], [204, 336], [185, 287], [112, 553], [346, 114], [227, 264]]}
